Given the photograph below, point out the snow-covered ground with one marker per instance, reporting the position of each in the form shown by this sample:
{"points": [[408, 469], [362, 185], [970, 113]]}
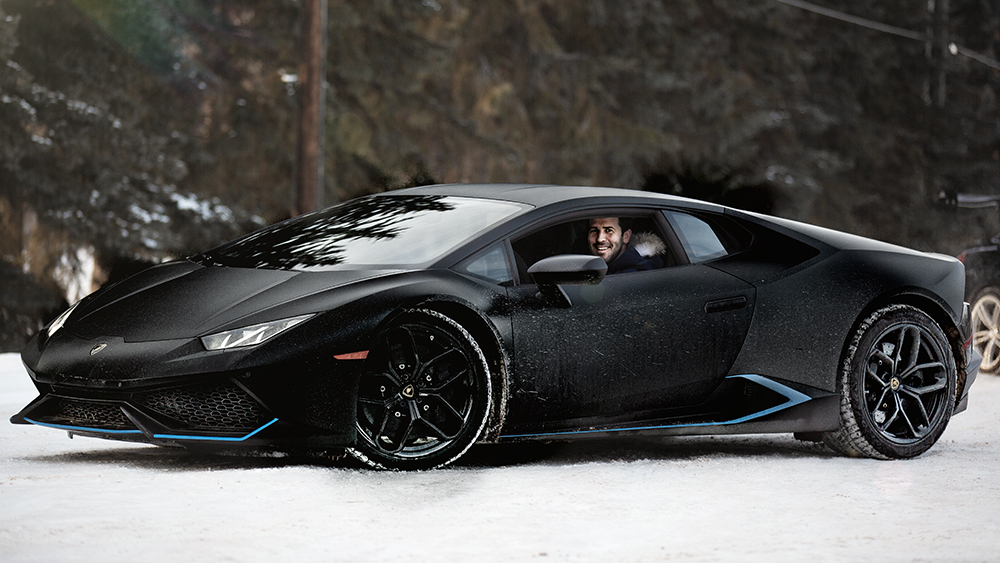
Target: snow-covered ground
{"points": [[756, 498]]}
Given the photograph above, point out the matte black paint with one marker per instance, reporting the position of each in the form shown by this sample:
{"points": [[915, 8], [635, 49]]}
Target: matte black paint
{"points": [[655, 350], [636, 342]]}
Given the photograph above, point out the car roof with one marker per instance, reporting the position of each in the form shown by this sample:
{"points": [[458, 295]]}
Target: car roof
{"points": [[567, 197], [540, 195]]}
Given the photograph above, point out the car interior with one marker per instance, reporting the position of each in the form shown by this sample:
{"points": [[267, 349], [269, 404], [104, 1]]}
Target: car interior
{"points": [[570, 237]]}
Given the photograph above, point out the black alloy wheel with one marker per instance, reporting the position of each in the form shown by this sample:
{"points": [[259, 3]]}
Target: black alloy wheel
{"points": [[898, 386], [424, 395]]}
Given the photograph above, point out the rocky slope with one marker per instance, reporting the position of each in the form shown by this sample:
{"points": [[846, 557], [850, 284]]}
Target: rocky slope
{"points": [[148, 129]]}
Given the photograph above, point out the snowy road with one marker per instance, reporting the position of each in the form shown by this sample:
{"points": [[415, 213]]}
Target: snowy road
{"points": [[760, 498]]}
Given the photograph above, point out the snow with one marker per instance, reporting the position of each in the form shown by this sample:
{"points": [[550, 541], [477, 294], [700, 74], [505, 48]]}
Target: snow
{"points": [[746, 498]]}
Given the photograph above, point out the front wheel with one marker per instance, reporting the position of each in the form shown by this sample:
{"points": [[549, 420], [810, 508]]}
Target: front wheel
{"points": [[898, 384], [424, 395]]}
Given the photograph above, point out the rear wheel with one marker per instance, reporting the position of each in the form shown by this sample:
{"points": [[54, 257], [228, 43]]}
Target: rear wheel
{"points": [[898, 385], [424, 395], [986, 328]]}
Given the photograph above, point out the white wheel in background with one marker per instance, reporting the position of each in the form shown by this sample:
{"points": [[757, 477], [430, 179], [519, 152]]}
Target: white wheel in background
{"points": [[986, 328]]}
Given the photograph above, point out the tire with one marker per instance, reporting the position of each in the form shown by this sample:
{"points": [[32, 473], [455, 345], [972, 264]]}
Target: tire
{"points": [[898, 384], [986, 328], [424, 396]]}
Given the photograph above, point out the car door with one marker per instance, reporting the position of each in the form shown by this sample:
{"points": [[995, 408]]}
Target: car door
{"points": [[629, 348]]}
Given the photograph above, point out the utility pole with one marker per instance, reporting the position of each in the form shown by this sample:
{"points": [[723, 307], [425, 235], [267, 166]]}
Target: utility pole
{"points": [[312, 105], [936, 50]]}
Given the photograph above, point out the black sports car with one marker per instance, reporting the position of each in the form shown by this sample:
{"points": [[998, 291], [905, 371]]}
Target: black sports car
{"points": [[407, 326]]}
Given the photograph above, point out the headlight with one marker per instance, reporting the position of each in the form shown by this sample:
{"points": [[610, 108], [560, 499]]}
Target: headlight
{"points": [[249, 335], [60, 320]]}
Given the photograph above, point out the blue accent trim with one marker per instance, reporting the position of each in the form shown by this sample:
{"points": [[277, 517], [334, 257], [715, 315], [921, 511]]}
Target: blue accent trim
{"points": [[794, 398], [82, 428], [212, 438], [161, 436]]}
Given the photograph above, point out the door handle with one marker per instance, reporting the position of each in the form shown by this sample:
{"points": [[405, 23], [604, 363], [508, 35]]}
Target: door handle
{"points": [[727, 304]]}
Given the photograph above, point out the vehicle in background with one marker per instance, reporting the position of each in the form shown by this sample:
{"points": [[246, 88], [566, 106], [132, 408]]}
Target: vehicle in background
{"points": [[982, 285]]}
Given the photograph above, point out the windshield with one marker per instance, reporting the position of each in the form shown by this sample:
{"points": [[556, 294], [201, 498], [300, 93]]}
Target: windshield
{"points": [[388, 231]]}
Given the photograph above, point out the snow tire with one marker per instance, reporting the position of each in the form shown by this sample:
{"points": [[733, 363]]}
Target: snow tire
{"points": [[898, 385], [425, 394]]}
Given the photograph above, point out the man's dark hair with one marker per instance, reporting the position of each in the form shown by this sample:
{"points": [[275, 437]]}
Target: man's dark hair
{"points": [[625, 223]]}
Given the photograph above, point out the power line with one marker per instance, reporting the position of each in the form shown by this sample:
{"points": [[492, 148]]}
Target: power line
{"points": [[953, 48], [959, 50], [855, 20]]}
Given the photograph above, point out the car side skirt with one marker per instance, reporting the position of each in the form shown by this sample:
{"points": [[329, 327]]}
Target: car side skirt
{"points": [[744, 404]]}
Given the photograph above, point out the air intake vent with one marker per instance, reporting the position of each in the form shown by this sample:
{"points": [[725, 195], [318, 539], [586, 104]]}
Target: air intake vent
{"points": [[89, 414], [218, 407]]}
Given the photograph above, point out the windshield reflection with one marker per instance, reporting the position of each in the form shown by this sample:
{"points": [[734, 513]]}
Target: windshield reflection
{"points": [[374, 230]]}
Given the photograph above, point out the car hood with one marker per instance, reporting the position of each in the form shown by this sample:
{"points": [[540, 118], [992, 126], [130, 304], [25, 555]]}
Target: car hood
{"points": [[186, 300]]}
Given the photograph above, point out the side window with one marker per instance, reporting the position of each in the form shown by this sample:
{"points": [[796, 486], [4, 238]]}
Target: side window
{"points": [[645, 249], [490, 264], [702, 238]]}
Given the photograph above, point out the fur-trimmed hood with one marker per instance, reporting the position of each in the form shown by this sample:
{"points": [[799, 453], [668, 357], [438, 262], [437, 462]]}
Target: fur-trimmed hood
{"points": [[647, 244]]}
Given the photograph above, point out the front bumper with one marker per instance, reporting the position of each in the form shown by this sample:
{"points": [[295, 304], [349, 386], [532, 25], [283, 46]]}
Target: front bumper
{"points": [[223, 410]]}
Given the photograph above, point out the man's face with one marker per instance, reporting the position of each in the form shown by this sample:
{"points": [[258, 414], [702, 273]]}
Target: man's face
{"points": [[607, 239]]}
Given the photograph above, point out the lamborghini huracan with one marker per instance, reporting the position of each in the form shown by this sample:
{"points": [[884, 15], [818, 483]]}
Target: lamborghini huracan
{"points": [[404, 327]]}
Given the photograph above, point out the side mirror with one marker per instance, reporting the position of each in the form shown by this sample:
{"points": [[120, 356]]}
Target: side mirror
{"points": [[569, 269], [572, 269]]}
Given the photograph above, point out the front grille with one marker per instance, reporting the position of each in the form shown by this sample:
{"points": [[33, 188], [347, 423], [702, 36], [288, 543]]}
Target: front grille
{"points": [[90, 414], [217, 407]]}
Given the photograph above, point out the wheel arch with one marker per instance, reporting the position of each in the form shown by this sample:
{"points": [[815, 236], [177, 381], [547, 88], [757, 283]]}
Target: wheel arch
{"points": [[934, 308]]}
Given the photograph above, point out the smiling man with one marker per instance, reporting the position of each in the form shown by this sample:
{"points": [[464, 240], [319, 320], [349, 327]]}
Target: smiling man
{"points": [[609, 238]]}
